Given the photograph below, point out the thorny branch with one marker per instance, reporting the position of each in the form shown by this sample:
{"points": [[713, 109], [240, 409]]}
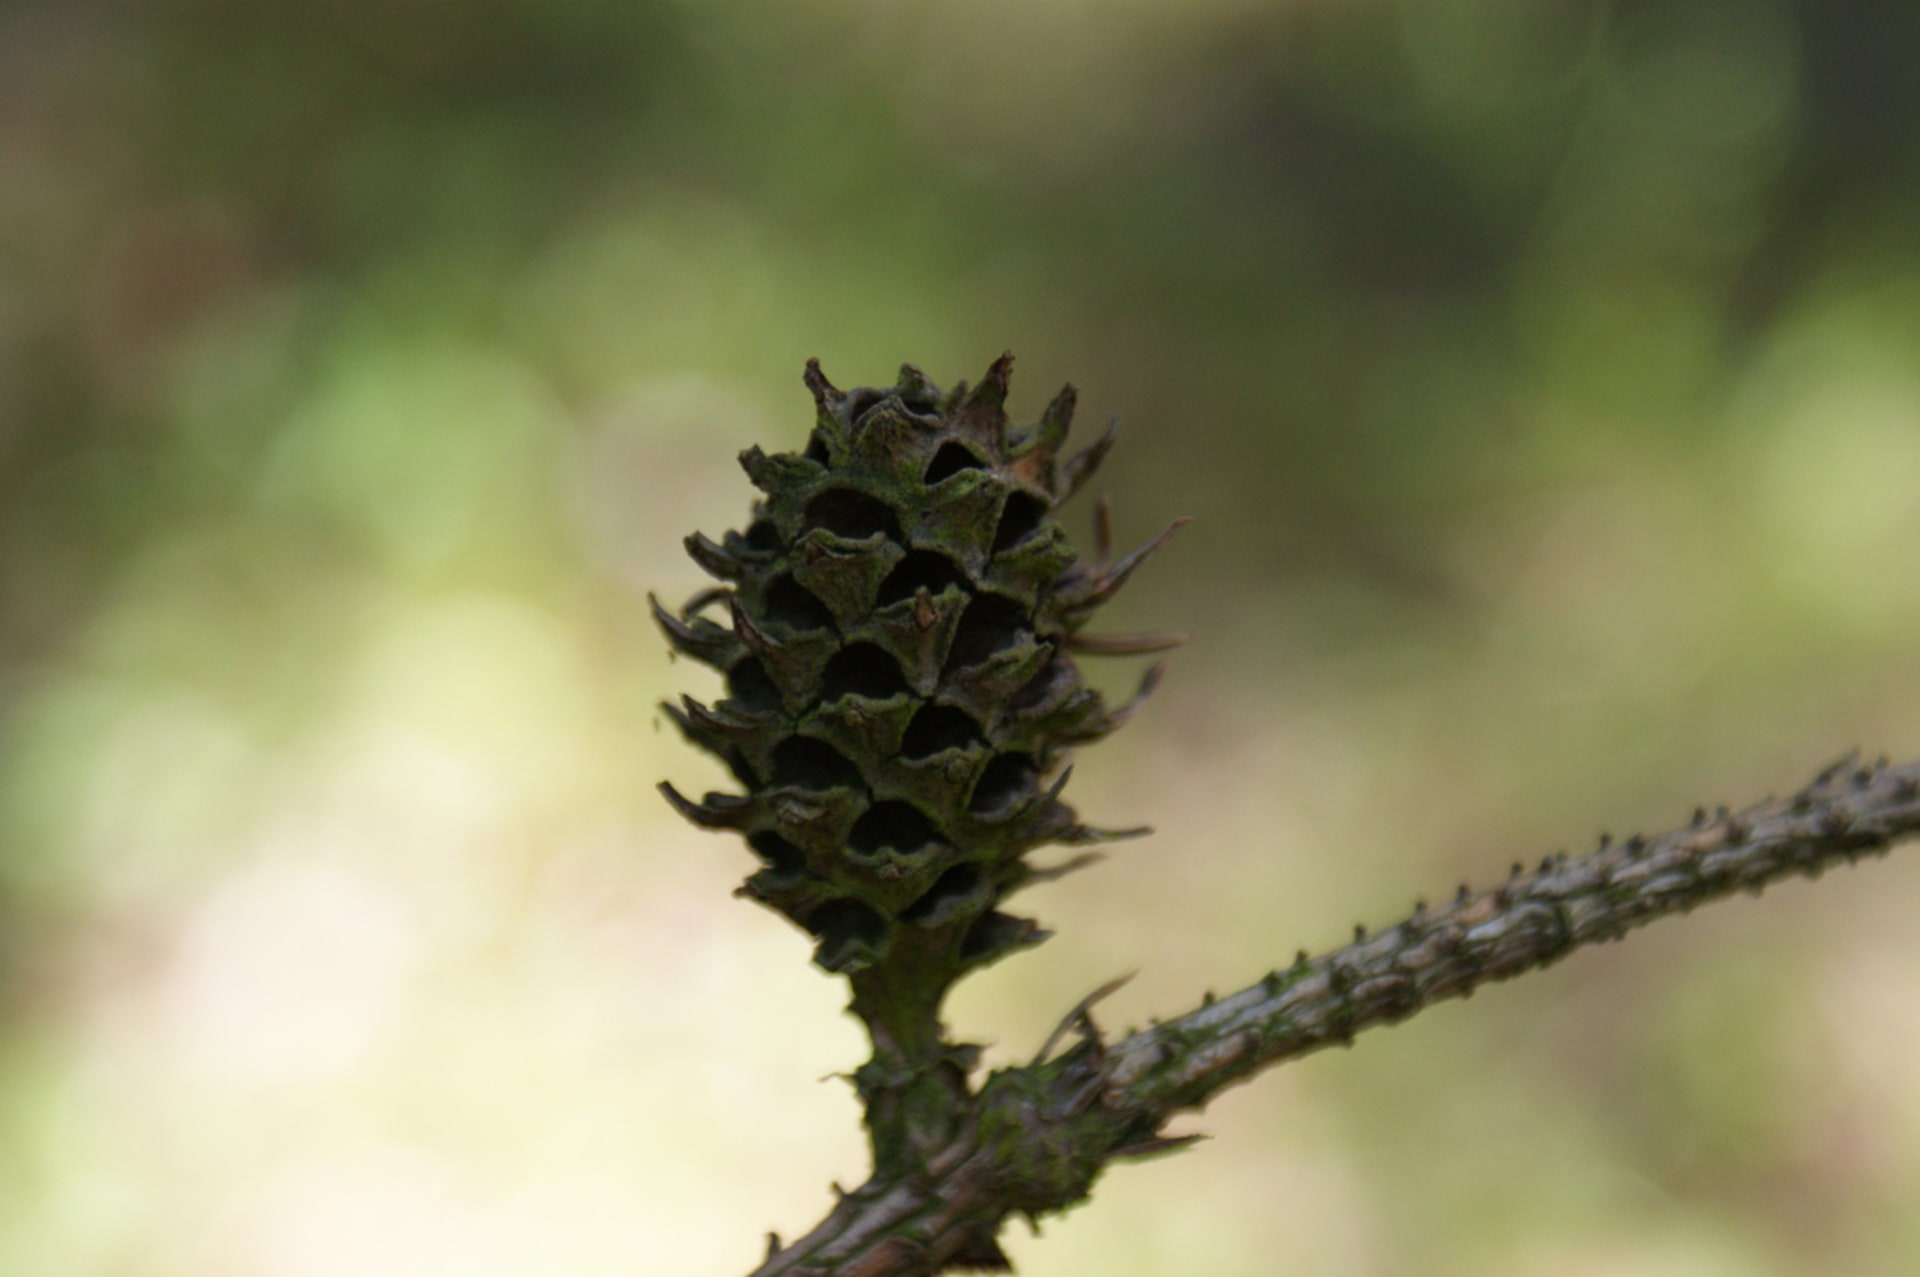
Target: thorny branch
{"points": [[1036, 1137]]}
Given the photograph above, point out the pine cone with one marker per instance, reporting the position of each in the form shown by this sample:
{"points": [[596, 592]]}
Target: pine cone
{"points": [[902, 614]]}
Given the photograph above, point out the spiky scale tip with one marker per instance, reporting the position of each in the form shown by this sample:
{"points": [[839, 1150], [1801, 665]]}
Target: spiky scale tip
{"points": [[901, 690]]}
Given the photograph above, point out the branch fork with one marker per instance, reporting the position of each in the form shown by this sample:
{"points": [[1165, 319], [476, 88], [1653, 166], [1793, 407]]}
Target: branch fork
{"points": [[1034, 1139]]}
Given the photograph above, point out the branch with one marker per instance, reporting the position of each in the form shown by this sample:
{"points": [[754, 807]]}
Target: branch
{"points": [[1037, 1137]]}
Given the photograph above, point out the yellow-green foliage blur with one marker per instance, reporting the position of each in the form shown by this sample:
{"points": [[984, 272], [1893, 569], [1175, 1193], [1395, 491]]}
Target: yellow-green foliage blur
{"points": [[1544, 378]]}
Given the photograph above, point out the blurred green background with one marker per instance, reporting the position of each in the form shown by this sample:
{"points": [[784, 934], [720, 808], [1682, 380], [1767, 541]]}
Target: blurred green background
{"points": [[1545, 378]]}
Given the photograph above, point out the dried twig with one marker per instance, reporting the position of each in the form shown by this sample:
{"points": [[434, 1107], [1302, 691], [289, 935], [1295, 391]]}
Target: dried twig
{"points": [[1036, 1137]]}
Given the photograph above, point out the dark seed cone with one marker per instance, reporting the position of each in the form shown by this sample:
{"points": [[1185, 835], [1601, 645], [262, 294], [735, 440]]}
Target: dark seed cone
{"points": [[896, 627]]}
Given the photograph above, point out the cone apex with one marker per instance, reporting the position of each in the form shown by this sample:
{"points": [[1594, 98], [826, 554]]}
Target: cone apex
{"points": [[915, 388], [1058, 417], [825, 394], [983, 413]]}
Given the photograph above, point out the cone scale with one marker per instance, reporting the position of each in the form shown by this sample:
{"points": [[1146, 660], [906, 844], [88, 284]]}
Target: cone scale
{"points": [[897, 628]]}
